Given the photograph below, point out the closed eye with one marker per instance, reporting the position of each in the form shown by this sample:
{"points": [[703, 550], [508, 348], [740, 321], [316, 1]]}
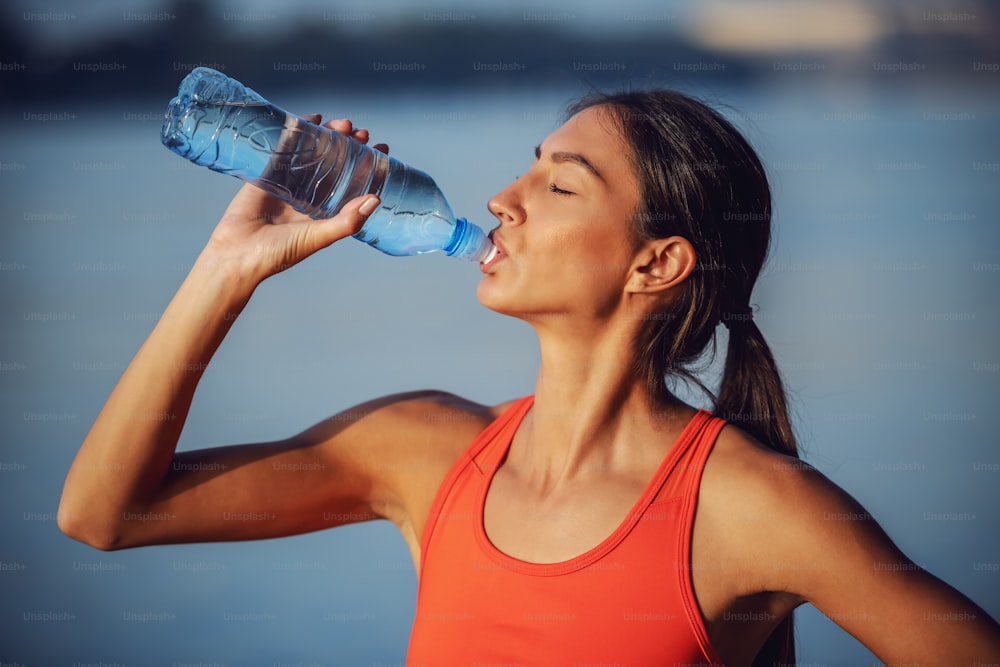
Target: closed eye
{"points": [[559, 191]]}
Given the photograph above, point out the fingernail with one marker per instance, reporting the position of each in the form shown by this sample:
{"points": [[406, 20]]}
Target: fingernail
{"points": [[370, 204]]}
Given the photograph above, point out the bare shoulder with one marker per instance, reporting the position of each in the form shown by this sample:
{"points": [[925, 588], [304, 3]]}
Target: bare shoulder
{"points": [[433, 418], [433, 427], [429, 417], [431, 406], [779, 525], [780, 520], [406, 434], [403, 445], [740, 466]]}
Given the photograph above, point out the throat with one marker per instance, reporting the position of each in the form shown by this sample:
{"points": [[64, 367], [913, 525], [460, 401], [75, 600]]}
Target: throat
{"points": [[559, 447]]}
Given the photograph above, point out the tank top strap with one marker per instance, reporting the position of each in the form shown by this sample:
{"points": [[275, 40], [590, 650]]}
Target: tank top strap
{"points": [[683, 466], [480, 455], [490, 448]]}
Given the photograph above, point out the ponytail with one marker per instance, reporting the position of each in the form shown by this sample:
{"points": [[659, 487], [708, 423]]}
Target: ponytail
{"points": [[751, 394]]}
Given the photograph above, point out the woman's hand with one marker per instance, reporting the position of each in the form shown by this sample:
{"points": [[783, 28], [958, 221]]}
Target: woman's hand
{"points": [[261, 235]]}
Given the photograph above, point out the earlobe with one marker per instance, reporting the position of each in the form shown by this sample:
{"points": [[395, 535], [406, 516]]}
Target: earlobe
{"points": [[662, 264]]}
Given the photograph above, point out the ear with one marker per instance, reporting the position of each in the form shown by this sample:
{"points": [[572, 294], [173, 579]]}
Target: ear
{"points": [[660, 265]]}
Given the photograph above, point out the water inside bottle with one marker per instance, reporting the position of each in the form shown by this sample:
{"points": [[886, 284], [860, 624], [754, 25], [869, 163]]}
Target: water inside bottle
{"points": [[413, 217]]}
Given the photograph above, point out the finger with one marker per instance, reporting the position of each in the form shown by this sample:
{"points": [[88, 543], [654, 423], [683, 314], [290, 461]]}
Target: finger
{"points": [[361, 135], [342, 125], [313, 117], [384, 148]]}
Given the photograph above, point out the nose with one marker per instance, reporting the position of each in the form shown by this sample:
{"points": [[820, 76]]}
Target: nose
{"points": [[506, 206]]}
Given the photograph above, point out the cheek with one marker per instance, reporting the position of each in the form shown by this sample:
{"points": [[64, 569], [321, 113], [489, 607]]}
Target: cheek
{"points": [[592, 268], [598, 250]]}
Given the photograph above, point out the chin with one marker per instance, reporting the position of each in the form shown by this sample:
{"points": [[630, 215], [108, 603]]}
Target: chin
{"points": [[491, 297], [515, 307], [503, 301]]}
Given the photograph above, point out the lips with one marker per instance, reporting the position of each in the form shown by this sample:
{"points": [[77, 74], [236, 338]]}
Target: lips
{"points": [[501, 253]]}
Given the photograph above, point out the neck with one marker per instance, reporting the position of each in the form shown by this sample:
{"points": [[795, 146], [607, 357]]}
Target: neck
{"points": [[592, 411]]}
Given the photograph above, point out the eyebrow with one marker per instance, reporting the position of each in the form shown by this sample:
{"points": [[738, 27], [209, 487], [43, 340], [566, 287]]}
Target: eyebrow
{"points": [[575, 158]]}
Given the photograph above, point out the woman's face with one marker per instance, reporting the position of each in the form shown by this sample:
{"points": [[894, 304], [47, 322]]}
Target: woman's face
{"points": [[565, 226]]}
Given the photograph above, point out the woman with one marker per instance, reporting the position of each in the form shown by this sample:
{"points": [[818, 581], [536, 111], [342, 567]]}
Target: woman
{"points": [[599, 521]]}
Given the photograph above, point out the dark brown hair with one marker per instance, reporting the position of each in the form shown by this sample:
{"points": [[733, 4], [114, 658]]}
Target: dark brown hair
{"points": [[700, 179]]}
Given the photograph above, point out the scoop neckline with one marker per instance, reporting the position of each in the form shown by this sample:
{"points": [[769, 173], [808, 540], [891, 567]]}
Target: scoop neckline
{"points": [[595, 553]]}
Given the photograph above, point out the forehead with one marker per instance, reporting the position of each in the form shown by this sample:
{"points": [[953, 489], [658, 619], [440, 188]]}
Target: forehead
{"points": [[593, 133]]}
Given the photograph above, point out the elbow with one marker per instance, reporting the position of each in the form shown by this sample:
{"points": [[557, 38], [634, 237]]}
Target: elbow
{"points": [[75, 524]]}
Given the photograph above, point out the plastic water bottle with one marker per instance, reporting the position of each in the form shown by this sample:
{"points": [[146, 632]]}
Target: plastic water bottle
{"points": [[217, 122]]}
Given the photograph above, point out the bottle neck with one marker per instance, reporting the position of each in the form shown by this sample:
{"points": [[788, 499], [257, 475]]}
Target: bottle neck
{"points": [[469, 242]]}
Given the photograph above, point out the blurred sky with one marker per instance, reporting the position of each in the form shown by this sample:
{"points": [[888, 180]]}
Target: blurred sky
{"points": [[765, 24], [100, 17]]}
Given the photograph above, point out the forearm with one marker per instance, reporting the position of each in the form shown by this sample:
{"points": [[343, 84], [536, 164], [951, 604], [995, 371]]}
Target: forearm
{"points": [[127, 453]]}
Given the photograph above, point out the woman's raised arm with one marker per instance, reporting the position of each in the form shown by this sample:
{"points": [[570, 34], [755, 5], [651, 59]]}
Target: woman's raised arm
{"points": [[127, 487]]}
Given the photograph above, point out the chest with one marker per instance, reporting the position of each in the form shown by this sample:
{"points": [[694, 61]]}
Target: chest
{"points": [[558, 526]]}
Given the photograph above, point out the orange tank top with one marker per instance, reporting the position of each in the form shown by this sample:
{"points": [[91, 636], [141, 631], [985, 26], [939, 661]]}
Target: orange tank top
{"points": [[628, 601]]}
